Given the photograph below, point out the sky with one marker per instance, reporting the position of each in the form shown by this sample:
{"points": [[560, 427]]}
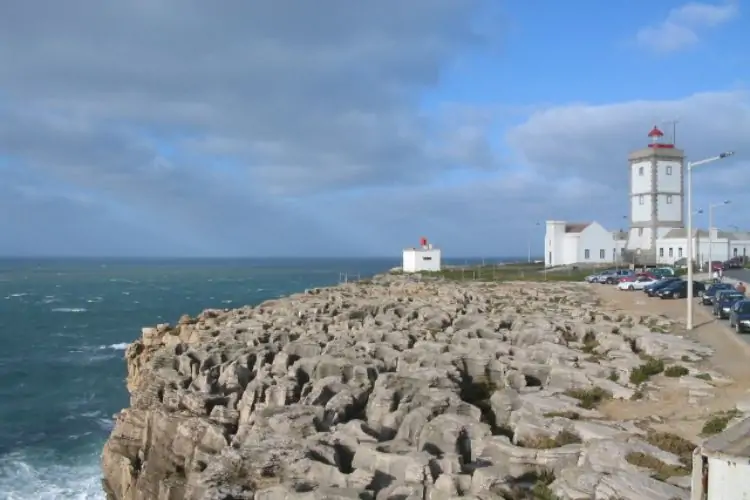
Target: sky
{"points": [[341, 128]]}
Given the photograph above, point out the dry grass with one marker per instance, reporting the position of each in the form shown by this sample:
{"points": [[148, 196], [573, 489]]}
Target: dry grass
{"points": [[719, 422], [589, 398], [647, 370], [662, 471], [564, 414], [672, 443], [676, 371], [546, 442]]}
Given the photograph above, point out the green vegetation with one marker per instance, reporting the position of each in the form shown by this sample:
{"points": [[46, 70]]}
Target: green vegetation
{"points": [[704, 376], [647, 370], [589, 398], [673, 443], [510, 272], [564, 414], [719, 422], [546, 442], [662, 471], [539, 490], [676, 371]]}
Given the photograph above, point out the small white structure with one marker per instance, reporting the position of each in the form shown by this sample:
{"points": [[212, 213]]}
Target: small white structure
{"points": [[424, 258], [721, 466], [657, 232], [571, 243]]}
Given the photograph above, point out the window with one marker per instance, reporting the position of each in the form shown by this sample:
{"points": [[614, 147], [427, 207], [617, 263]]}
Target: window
{"points": [[661, 252], [669, 169], [426, 258], [735, 252], [679, 252], [587, 254], [640, 171], [671, 252], [640, 231], [669, 199], [602, 254], [622, 252], [641, 200], [550, 258]]}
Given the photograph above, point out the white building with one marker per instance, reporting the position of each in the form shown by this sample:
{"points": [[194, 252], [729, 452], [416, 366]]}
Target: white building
{"points": [[657, 221], [424, 258], [721, 466]]}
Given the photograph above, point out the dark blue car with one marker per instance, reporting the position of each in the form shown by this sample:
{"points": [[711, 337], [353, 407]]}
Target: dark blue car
{"points": [[724, 301], [739, 319], [708, 297], [651, 289]]}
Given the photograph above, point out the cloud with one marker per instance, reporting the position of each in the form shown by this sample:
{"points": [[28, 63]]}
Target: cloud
{"points": [[683, 26], [591, 143]]}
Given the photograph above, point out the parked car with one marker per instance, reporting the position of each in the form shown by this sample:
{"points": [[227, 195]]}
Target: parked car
{"points": [[663, 272], [725, 299], [636, 284], [679, 290], [739, 318], [653, 288], [610, 276], [594, 278], [707, 299], [717, 265]]}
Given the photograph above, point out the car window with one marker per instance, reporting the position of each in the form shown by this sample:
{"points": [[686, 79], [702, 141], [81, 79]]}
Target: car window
{"points": [[744, 307]]}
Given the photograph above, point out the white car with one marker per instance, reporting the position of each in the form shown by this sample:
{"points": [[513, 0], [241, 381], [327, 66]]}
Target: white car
{"points": [[638, 284]]}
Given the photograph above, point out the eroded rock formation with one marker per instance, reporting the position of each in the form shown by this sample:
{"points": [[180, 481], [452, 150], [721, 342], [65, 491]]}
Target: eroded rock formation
{"points": [[392, 389]]}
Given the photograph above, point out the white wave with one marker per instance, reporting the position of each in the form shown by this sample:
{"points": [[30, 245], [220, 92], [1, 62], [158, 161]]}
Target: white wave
{"points": [[16, 295], [49, 299], [117, 347], [23, 479], [70, 309], [94, 300]]}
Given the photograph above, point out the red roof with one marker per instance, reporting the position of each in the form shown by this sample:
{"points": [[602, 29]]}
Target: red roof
{"points": [[576, 227], [655, 132]]}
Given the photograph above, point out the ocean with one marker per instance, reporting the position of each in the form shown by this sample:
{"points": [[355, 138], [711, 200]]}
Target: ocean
{"points": [[64, 325]]}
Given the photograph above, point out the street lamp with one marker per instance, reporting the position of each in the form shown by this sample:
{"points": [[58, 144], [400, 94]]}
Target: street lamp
{"points": [[690, 166], [710, 236], [537, 224]]}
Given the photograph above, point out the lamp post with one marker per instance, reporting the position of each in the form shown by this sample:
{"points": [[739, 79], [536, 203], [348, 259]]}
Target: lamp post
{"points": [[710, 236], [690, 166], [537, 224]]}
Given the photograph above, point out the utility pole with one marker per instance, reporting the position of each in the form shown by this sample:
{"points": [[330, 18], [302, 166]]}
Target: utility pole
{"points": [[673, 123]]}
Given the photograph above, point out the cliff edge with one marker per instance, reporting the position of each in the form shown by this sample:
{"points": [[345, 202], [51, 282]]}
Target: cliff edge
{"points": [[394, 388]]}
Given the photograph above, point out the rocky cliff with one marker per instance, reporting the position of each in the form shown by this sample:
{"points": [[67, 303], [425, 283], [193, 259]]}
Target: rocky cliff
{"points": [[394, 389]]}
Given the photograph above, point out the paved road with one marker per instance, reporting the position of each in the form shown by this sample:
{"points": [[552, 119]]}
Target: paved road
{"points": [[738, 274]]}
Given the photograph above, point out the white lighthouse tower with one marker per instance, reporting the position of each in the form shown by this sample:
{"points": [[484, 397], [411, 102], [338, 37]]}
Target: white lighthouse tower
{"points": [[656, 195]]}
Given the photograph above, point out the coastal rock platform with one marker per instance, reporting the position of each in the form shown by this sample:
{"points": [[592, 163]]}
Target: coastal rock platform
{"points": [[398, 388]]}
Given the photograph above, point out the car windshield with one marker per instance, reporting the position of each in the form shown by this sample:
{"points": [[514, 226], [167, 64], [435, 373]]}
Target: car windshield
{"points": [[744, 308], [732, 296]]}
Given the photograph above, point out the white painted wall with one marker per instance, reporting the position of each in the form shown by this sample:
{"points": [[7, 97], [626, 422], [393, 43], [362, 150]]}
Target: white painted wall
{"points": [[640, 175], [639, 238], [728, 480], [554, 243], [669, 207], [666, 181], [417, 259], [640, 207], [598, 241]]}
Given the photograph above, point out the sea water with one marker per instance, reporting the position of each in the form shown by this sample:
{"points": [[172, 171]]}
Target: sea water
{"points": [[64, 326]]}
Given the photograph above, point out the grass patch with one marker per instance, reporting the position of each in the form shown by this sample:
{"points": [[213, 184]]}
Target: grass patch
{"points": [[613, 376], [719, 422], [672, 443], [647, 370], [546, 442], [676, 371], [638, 395], [531, 486], [589, 342], [704, 376], [662, 471], [589, 398], [508, 272], [564, 414]]}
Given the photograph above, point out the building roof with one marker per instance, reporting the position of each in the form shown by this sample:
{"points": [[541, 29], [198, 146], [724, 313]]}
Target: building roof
{"points": [[734, 442], [655, 132], [703, 233], [576, 227]]}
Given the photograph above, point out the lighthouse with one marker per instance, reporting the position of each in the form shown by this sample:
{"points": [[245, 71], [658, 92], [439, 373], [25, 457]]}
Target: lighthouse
{"points": [[656, 194]]}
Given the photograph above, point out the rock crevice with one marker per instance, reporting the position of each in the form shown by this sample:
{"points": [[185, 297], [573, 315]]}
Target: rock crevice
{"points": [[390, 389]]}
